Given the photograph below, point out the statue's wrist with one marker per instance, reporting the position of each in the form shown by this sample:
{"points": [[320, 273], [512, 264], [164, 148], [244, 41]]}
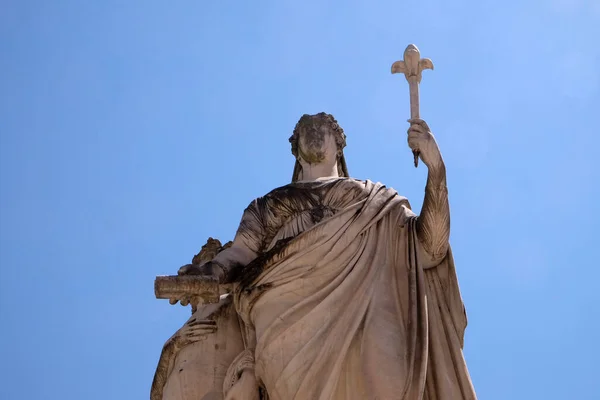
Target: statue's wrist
{"points": [[219, 271]]}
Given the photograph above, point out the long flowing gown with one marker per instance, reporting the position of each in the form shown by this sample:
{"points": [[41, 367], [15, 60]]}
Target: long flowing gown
{"points": [[340, 305]]}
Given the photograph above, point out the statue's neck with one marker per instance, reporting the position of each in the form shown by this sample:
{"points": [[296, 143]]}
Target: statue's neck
{"points": [[314, 172]]}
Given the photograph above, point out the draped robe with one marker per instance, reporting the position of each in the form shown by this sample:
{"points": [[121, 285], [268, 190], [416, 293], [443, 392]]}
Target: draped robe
{"points": [[341, 306]]}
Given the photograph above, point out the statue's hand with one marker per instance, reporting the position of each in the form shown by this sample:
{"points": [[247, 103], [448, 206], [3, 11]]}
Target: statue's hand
{"points": [[195, 329], [421, 139], [210, 271]]}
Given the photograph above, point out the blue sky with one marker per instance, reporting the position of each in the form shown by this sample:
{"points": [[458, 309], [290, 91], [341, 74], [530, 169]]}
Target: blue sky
{"points": [[132, 131]]}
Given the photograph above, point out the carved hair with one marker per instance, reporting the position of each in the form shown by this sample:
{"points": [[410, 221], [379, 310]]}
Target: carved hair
{"points": [[308, 121]]}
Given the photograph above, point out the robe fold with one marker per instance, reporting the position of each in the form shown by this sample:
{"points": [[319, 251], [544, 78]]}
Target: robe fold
{"points": [[345, 310]]}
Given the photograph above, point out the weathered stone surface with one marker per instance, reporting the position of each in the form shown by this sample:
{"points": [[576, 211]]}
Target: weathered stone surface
{"points": [[191, 287], [195, 359], [337, 290]]}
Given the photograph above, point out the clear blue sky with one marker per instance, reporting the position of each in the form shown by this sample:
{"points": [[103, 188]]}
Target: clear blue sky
{"points": [[130, 131]]}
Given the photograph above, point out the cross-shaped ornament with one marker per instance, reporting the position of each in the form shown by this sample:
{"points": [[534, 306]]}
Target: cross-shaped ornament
{"points": [[411, 67]]}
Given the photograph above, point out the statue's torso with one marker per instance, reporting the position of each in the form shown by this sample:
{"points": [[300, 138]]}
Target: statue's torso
{"points": [[324, 285]]}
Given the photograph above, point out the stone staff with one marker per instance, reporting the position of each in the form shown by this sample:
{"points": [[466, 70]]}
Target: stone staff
{"points": [[411, 66]]}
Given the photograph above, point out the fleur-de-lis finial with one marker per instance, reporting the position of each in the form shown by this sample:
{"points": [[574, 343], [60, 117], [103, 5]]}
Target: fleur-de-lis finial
{"points": [[412, 65]]}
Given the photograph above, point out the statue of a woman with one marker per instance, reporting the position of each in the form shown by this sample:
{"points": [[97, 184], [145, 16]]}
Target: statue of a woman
{"points": [[341, 291]]}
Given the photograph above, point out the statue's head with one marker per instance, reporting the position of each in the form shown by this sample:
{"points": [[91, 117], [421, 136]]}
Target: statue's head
{"points": [[318, 139]]}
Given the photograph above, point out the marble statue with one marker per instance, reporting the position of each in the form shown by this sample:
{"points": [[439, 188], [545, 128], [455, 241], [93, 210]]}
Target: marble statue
{"points": [[331, 289]]}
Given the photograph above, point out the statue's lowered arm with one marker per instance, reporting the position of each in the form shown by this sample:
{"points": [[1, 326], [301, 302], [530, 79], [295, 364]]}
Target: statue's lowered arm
{"points": [[244, 248], [235, 257], [203, 280]]}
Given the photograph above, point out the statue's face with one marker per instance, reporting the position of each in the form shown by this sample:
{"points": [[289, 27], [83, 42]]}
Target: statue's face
{"points": [[316, 144]]}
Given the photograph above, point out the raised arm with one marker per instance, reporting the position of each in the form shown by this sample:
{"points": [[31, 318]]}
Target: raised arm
{"points": [[433, 224]]}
